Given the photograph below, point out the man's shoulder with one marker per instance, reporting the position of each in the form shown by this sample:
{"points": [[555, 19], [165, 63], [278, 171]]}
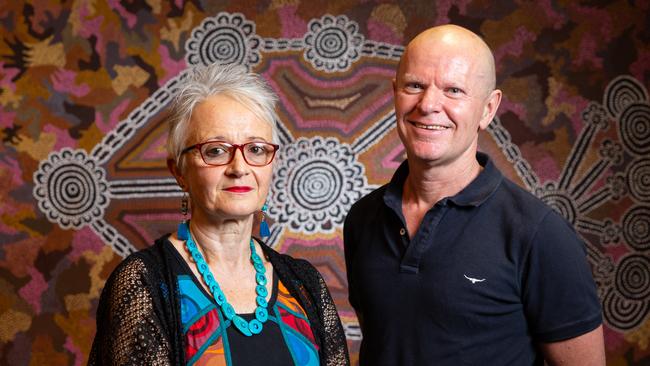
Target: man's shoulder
{"points": [[519, 197], [370, 200], [523, 209]]}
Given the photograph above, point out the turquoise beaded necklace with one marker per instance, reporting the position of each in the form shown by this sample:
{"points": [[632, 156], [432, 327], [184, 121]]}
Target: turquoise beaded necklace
{"points": [[261, 314]]}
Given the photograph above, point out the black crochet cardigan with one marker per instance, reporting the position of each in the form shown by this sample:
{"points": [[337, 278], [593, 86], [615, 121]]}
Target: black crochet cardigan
{"points": [[138, 320]]}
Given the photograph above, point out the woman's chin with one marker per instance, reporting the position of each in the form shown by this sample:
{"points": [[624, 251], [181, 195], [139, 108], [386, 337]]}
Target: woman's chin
{"points": [[231, 215]]}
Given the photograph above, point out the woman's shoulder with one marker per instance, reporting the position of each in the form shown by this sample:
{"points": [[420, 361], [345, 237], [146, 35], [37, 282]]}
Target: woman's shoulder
{"points": [[295, 270], [282, 259], [142, 263]]}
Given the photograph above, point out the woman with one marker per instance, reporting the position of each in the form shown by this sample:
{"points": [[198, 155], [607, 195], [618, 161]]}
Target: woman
{"points": [[211, 293]]}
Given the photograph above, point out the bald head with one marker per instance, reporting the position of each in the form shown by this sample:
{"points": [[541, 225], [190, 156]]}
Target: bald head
{"points": [[453, 39]]}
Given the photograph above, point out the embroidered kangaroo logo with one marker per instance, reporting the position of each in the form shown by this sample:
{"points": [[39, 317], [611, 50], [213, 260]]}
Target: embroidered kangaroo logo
{"points": [[474, 280]]}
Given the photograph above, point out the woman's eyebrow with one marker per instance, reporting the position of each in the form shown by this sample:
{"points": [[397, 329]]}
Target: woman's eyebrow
{"points": [[223, 138]]}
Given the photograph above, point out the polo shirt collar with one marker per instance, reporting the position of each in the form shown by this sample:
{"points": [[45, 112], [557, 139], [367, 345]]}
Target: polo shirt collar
{"points": [[481, 188], [477, 192], [393, 194]]}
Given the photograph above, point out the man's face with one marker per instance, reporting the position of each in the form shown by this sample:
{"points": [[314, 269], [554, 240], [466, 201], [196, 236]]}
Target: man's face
{"points": [[441, 101]]}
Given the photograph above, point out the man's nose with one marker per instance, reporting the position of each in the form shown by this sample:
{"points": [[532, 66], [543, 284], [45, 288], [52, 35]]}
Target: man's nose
{"points": [[431, 100]]}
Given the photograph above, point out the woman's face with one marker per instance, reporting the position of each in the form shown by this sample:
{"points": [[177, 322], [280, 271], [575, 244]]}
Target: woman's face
{"points": [[235, 190]]}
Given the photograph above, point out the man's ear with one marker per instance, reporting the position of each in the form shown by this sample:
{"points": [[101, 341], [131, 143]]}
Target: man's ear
{"points": [[490, 108], [176, 172]]}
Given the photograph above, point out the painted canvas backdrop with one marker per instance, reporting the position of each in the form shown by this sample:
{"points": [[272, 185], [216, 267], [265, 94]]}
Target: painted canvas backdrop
{"points": [[84, 86]]}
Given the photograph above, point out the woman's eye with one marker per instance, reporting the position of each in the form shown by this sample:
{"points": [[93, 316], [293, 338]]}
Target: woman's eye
{"points": [[257, 149], [215, 150]]}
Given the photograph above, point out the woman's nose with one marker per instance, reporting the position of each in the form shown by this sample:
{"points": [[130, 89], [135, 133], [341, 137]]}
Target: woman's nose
{"points": [[238, 165]]}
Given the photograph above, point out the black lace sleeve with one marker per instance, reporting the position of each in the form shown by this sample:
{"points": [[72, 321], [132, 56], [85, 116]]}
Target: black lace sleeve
{"points": [[130, 330], [334, 341]]}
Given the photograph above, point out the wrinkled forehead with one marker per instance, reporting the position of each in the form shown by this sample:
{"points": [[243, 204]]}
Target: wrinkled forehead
{"points": [[422, 62], [226, 118]]}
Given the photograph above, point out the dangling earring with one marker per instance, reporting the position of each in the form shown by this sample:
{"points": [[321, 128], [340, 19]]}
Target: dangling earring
{"points": [[264, 226], [183, 232]]}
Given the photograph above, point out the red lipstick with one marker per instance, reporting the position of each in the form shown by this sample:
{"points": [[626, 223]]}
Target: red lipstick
{"points": [[239, 189]]}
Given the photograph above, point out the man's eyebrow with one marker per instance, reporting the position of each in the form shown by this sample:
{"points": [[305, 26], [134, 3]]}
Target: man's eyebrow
{"points": [[411, 77]]}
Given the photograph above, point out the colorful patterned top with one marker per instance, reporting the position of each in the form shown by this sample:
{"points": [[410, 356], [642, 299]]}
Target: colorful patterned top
{"points": [[139, 318], [286, 339]]}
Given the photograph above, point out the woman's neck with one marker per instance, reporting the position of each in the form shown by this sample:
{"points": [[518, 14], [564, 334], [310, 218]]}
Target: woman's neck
{"points": [[225, 242]]}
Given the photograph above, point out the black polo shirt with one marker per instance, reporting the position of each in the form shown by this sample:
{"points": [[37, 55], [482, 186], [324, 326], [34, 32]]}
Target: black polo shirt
{"points": [[490, 273]]}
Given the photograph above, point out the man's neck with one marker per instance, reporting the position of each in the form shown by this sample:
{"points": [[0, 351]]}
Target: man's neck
{"points": [[428, 184]]}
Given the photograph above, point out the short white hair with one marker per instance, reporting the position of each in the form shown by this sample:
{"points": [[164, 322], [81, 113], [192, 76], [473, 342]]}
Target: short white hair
{"points": [[202, 82]]}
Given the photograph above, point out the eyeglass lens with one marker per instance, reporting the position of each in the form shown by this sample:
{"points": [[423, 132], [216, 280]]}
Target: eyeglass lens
{"points": [[255, 153]]}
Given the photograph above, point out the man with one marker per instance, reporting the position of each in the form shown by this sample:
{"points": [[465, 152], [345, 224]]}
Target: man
{"points": [[451, 263]]}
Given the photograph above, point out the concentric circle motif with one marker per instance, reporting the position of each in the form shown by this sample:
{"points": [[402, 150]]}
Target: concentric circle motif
{"points": [[633, 277], [624, 313], [638, 179], [636, 228], [224, 39], [622, 92], [316, 181], [321, 183], [634, 128], [70, 188], [560, 202], [332, 43]]}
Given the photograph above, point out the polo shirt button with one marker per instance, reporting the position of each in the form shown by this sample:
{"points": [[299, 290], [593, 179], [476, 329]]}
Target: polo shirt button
{"points": [[402, 231]]}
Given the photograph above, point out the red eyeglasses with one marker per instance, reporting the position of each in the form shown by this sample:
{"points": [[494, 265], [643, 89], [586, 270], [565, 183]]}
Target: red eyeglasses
{"points": [[218, 153]]}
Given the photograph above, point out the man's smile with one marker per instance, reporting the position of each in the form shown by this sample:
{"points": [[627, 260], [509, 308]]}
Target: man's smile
{"points": [[427, 126]]}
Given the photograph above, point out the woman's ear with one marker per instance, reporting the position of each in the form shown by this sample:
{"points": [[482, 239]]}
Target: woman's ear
{"points": [[176, 172]]}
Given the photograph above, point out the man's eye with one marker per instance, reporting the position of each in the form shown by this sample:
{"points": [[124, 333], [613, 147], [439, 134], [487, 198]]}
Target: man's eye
{"points": [[414, 86], [454, 90]]}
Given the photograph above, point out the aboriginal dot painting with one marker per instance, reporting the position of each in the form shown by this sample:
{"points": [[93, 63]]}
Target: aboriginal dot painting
{"points": [[84, 90]]}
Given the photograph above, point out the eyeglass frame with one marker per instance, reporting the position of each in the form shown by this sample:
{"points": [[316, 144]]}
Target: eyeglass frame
{"points": [[239, 147]]}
